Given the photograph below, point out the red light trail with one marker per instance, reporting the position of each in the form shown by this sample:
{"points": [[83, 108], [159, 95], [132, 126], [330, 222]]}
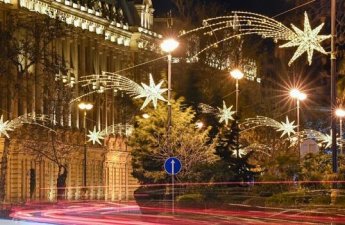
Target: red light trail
{"points": [[106, 213]]}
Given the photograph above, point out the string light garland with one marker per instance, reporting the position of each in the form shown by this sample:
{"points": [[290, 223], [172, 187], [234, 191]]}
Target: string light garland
{"points": [[224, 114], [318, 136], [118, 129], [287, 128], [247, 23], [110, 81], [35, 119]]}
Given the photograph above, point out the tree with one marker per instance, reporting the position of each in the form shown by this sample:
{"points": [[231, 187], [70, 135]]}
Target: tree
{"points": [[53, 148], [152, 144], [235, 168], [26, 42]]}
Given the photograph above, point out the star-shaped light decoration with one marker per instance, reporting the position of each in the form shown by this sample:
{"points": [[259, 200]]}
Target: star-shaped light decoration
{"points": [[307, 40], [327, 139], [95, 136], [287, 127], [225, 114], [4, 127], [152, 93]]}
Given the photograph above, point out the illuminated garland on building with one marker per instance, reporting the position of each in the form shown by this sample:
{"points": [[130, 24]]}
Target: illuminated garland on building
{"points": [[246, 23]]}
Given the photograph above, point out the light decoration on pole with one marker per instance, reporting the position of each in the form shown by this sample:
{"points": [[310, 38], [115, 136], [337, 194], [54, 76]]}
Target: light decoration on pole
{"points": [[247, 23], [287, 128], [307, 40], [95, 136], [4, 127], [11, 125], [224, 114], [318, 136], [111, 81], [151, 93]]}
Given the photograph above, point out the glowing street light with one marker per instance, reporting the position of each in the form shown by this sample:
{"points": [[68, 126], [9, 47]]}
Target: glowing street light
{"points": [[339, 112], [299, 96], [168, 46], [237, 75], [85, 106]]}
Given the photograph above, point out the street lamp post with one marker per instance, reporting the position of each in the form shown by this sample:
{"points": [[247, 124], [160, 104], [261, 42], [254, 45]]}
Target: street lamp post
{"points": [[237, 75], [85, 106], [299, 96], [168, 46], [333, 86], [340, 113]]}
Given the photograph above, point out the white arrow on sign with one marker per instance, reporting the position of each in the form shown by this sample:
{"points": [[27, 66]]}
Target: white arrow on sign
{"points": [[172, 167]]}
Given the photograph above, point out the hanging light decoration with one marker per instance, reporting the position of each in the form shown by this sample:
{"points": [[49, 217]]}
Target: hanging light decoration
{"points": [[247, 23], [111, 81]]}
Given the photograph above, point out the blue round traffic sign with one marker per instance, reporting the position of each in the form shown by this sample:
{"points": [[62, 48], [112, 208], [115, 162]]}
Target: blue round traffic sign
{"points": [[172, 165]]}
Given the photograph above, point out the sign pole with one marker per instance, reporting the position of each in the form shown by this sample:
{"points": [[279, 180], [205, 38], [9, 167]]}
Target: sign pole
{"points": [[172, 166], [172, 186]]}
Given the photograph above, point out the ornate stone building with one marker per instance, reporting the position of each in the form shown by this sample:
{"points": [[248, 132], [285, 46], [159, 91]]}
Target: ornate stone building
{"points": [[110, 36]]}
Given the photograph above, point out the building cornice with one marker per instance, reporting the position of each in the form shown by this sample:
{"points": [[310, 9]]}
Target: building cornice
{"points": [[92, 21]]}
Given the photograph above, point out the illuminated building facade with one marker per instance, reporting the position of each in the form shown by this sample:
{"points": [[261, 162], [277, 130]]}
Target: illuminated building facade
{"points": [[102, 36]]}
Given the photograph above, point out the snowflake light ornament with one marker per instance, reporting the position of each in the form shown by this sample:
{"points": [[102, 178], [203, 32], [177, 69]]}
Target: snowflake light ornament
{"points": [[307, 40], [327, 139], [4, 127], [95, 136], [287, 127], [152, 93], [225, 114]]}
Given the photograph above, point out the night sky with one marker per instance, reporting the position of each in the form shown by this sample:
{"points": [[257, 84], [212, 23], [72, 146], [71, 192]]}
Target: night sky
{"points": [[268, 7]]}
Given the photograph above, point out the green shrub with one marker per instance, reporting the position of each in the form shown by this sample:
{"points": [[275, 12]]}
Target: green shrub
{"points": [[289, 199], [190, 199], [321, 200]]}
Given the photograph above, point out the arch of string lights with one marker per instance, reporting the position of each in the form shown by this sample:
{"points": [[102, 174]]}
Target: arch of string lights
{"points": [[34, 119], [247, 23], [318, 136], [286, 127], [224, 114], [112, 81]]}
